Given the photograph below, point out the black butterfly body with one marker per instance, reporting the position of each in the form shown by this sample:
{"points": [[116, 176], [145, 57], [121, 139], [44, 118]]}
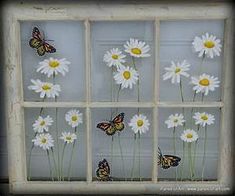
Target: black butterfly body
{"points": [[103, 171], [38, 42], [167, 161], [112, 126]]}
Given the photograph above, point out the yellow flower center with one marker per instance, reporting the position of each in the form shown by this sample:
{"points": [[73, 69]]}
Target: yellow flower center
{"points": [[54, 64], [177, 70], [42, 123], [46, 87], [140, 123], [209, 44], [204, 82], [44, 140], [204, 117], [114, 56], [126, 75], [68, 138], [74, 118], [189, 135], [136, 51], [176, 120]]}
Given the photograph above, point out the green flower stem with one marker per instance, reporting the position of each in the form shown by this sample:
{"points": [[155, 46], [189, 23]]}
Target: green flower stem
{"points": [[71, 157], [56, 169], [200, 66], [190, 159], [182, 166], [202, 97], [32, 147], [111, 155], [57, 134], [29, 164], [62, 160], [139, 154], [194, 152], [194, 97], [174, 148], [181, 91], [133, 160], [204, 153], [49, 162], [123, 165]]}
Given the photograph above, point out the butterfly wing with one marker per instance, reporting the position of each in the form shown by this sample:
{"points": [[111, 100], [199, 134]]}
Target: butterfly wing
{"points": [[103, 171], [173, 160], [118, 122], [37, 34], [107, 127], [49, 48]]}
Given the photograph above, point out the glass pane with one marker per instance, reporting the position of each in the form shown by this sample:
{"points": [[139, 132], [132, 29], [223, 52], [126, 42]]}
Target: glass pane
{"points": [[67, 155], [129, 155], [198, 147], [176, 44], [111, 35], [68, 39]]}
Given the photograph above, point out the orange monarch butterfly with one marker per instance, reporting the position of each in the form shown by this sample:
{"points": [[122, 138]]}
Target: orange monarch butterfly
{"points": [[38, 42], [103, 171], [167, 161], [112, 126]]}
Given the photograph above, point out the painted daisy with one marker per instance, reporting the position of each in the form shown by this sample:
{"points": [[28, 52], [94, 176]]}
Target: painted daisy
{"points": [[139, 123], [45, 88], [189, 135], [176, 70], [207, 45], [175, 120], [53, 66], [68, 137], [114, 57], [44, 140], [137, 48], [205, 83], [203, 119], [42, 124], [126, 76], [73, 117]]}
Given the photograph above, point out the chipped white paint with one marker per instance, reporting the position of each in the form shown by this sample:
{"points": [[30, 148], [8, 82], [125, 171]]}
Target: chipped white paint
{"points": [[15, 12]]}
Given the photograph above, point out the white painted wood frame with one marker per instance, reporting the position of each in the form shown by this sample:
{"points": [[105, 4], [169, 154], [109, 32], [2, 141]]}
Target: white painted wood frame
{"points": [[91, 11]]}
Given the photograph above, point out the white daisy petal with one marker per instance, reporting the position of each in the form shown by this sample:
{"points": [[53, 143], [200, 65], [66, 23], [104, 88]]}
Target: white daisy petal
{"points": [[139, 123], [175, 120], [53, 66], [176, 70], [203, 119], [126, 76], [68, 137], [45, 88], [205, 83], [114, 57], [74, 118], [43, 140], [189, 136], [137, 48], [42, 124], [208, 45]]}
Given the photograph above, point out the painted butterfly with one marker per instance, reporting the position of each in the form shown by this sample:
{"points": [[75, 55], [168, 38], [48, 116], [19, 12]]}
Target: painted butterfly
{"points": [[112, 126], [167, 161], [103, 171], [38, 42]]}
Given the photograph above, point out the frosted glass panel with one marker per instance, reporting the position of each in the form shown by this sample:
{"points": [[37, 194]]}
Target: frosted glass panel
{"points": [[108, 35], [176, 39], [122, 149], [68, 39], [68, 162], [196, 158]]}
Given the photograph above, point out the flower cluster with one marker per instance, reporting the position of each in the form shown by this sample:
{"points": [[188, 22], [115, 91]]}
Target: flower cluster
{"points": [[126, 75], [49, 67], [189, 135], [207, 46]]}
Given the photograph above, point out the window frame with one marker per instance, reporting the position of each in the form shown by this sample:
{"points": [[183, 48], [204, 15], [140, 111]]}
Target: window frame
{"points": [[15, 104]]}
